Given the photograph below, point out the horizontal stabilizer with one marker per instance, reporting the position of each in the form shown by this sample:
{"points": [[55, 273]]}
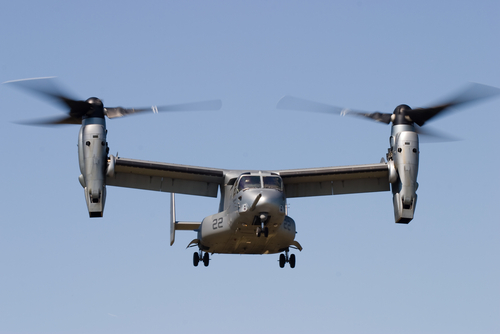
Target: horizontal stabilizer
{"points": [[187, 226]]}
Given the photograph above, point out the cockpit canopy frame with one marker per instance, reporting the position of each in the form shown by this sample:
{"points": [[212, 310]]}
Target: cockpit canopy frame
{"points": [[258, 181]]}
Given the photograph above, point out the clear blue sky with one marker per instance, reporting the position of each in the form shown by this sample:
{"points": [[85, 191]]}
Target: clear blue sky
{"points": [[359, 272]]}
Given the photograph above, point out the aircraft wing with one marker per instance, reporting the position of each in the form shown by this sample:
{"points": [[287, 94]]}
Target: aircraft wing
{"points": [[166, 177], [335, 180]]}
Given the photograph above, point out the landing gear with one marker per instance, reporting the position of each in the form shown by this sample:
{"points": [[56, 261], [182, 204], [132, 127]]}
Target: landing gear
{"points": [[284, 258], [205, 259], [291, 260], [260, 221], [196, 259], [197, 256], [259, 230]]}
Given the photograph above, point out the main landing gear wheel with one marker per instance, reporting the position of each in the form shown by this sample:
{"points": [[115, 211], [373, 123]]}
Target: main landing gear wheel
{"points": [[206, 259], [291, 260], [284, 259], [199, 256]]}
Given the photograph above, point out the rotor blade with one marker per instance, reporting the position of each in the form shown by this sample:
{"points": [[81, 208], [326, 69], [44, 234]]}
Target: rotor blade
{"points": [[376, 116], [472, 93], [193, 106], [47, 87], [53, 121], [433, 136], [295, 103]]}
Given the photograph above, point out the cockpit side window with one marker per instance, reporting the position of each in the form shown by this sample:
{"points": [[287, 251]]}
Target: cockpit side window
{"points": [[249, 181], [273, 182]]}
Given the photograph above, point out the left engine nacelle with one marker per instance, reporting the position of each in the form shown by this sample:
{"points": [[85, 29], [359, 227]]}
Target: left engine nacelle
{"points": [[92, 155]]}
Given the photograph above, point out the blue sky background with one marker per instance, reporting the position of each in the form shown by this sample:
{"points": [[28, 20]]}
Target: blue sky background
{"points": [[359, 272]]}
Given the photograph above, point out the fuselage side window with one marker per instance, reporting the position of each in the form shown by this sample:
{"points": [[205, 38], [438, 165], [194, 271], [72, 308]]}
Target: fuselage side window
{"points": [[273, 182], [248, 182]]}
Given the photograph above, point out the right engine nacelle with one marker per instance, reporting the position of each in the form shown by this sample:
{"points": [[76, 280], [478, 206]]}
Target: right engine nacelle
{"points": [[404, 154]]}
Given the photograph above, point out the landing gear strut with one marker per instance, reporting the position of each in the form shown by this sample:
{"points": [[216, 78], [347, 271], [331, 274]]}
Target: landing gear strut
{"points": [[197, 256], [262, 228], [284, 258]]}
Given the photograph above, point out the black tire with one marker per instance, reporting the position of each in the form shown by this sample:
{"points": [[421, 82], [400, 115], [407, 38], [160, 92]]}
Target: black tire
{"points": [[266, 232], [292, 261], [206, 259], [282, 260], [196, 259]]}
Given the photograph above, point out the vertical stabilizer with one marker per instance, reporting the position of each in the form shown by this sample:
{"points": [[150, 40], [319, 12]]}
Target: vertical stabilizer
{"points": [[172, 218]]}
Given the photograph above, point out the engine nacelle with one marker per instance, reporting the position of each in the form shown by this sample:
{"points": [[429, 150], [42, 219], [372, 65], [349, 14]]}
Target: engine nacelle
{"points": [[404, 153], [92, 155]]}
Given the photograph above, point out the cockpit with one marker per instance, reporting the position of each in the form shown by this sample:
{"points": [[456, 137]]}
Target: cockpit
{"points": [[258, 181]]}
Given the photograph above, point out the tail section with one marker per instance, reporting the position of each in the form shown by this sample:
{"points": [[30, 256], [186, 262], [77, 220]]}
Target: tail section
{"points": [[172, 218], [177, 225]]}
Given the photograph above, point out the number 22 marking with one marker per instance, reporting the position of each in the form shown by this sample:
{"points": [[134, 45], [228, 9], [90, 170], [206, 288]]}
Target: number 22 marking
{"points": [[217, 223]]}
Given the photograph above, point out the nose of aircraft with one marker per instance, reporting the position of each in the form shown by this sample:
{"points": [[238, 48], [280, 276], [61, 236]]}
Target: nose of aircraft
{"points": [[270, 201]]}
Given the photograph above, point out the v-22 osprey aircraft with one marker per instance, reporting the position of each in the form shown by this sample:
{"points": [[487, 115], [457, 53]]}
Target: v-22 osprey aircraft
{"points": [[252, 216]]}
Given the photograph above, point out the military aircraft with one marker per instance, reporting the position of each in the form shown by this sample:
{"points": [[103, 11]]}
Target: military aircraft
{"points": [[252, 216]]}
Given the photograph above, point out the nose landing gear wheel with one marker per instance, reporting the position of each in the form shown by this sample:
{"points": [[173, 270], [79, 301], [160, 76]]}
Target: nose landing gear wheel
{"points": [[259, 230]]}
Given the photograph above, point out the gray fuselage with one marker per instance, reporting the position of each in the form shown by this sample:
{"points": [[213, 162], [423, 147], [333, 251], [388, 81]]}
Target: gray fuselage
{"points": [[249, 201]]}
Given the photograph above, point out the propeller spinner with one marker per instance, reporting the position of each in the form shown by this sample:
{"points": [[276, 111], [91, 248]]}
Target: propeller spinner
{"points": [[93, 107]]}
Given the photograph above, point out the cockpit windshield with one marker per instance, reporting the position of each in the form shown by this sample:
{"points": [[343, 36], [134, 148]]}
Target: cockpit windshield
{"points": [[272, 182], [249, 181], [254, 181]]}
